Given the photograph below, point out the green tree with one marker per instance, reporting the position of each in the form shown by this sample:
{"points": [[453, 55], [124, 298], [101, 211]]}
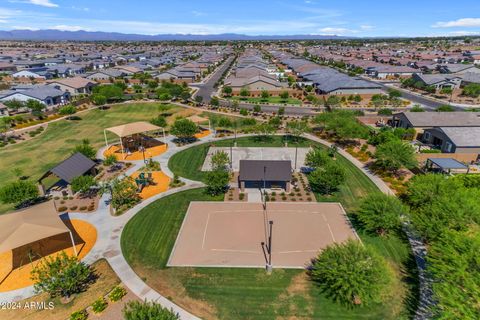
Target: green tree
{"points": [[326, 180], [332, 102], [36, 107], [284, 95], [219, 160], [185, 96], [124, 193], [183, 128], [343, 124], [453, 262], [417, 108], [297, 128], [215, 102], [244, 92], [227, 91], [110, 92], [99, 99], [159, 121], [136, 310], [111, 159], [198, 99], [317, 158], [265, 95], [472, 90], [281, 111], [395, 154], [394, 94], [83, 184], [257, 109], [67, 110], [61, 275], [164, 96], [86, 149], [381, 213], [217, 181], [17, 192], [5, 125], [351, 273]]}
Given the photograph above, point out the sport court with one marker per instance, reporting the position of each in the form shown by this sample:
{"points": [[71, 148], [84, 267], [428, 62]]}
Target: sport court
{"points": [[255, 153], [219, 234]]}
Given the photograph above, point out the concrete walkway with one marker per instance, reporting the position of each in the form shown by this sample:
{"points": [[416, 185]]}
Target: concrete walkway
{"points": [[109, 230]]}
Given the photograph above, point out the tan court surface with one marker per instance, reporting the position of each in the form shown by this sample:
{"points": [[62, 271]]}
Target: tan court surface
{"points": [[219, 234]]}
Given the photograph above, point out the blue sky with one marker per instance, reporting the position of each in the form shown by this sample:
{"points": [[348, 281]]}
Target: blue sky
{"points": [[253, 17]]}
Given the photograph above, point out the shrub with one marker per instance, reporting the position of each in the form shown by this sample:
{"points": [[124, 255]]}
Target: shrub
{"points": [[99, 305], [62, 209], [79, 315], [241, 196], [73, 208], [381, 213], [351, 273], [61, 275], [18, 191], [110, 160], [82, 183], [83, 208], [67, 110], [135, 310], [326, 180]]}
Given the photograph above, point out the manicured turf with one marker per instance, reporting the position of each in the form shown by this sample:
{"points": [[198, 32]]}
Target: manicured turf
{"points": [[244, 293], [36, 156], [149, 237], [189, 162]]}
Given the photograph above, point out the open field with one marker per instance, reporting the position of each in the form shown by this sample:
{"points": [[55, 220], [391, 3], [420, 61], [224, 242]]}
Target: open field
{"points": [[239, 293], [41, 153]]}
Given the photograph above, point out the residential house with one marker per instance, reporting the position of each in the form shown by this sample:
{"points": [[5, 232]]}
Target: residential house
{"points": [[454, 139], [47, 95], [74, 86]]}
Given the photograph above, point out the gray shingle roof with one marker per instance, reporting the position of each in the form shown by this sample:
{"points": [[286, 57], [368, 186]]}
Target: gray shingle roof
{"points": [[443, 119], [73, 167], [275, 170], [463, 136]]}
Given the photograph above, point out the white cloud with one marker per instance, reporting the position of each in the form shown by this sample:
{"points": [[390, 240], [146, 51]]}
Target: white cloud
{"points": [[336, 31], [198, 13], [43, 3], [464, 22], [3, 21], [68, 28], [464, 33], [24, 28], [366, 27]]}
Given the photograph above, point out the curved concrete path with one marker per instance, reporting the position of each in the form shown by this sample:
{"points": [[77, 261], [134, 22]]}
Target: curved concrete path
{"points": [[109, 230]]}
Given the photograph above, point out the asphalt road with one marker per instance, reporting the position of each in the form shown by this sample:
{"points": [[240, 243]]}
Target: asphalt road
{"points": [[206, 89]]}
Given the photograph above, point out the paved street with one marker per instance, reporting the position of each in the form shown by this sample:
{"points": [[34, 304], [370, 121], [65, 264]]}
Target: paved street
{"points": [[206, 89]]}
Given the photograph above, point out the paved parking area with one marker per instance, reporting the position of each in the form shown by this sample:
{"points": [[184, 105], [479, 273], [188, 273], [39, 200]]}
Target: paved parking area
{"points": [[257, 154], [221, 234]]}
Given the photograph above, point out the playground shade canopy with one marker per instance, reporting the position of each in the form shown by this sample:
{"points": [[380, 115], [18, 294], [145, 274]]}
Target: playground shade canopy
{"points": [[197, 119], [73, 167], [30, 225], [129, 129]]}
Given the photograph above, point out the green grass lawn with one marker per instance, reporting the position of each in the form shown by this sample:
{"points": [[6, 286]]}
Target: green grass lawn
{"points": [[38, 155], [235, 293], [188, 164], [272, 100]]}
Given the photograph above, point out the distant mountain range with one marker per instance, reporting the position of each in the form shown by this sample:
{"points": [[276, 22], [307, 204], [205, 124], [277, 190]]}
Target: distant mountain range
{"points": [[57, 35]]}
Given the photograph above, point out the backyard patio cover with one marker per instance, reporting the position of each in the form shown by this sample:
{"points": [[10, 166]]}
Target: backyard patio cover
{"points": [[447, 163], [132, 128], [30, 225]]}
